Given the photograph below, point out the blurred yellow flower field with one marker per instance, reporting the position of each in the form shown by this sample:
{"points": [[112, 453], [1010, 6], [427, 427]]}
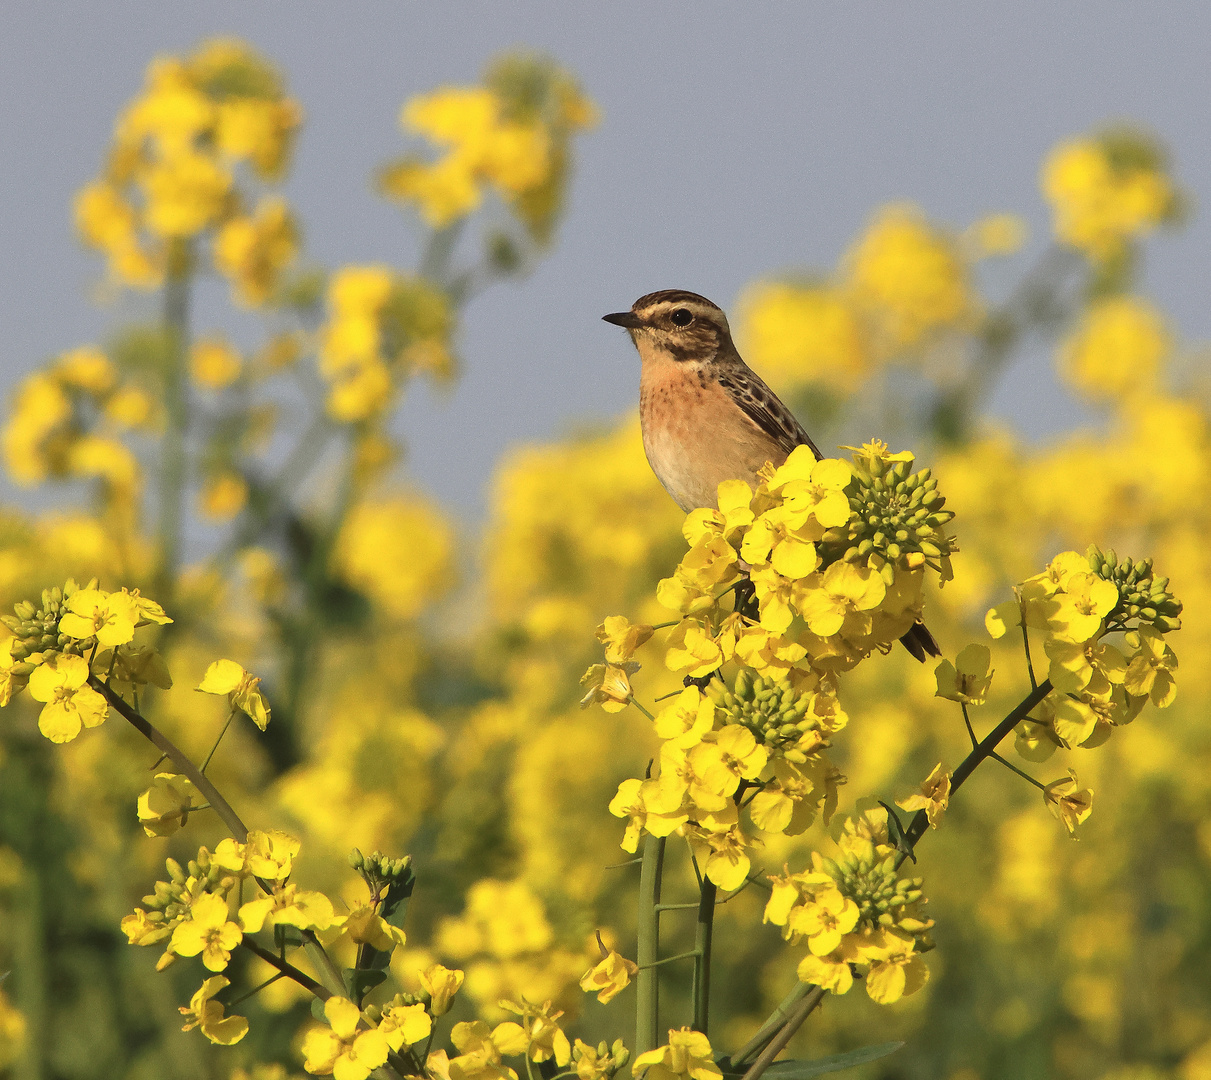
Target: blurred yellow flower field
{"points": [[597, 718]]}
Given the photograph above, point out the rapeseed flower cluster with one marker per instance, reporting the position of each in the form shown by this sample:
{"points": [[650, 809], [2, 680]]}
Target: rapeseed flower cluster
{"points": [[52, 647], [382, 328], [1099, 685], [903, 292], [832, 555], [856, 915], [1109, 190], [824, 565], [68, 421], [171, 173], [511, 135]]}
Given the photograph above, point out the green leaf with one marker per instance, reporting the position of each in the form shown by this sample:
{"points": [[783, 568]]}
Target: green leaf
{"points": [[802, 1070], [361, 981]]}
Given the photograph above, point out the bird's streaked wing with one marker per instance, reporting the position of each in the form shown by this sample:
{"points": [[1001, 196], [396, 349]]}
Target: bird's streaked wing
{"points": [[763, 407]]}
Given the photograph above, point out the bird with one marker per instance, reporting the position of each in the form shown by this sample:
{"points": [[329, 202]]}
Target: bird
{"points": [[706, 416]]}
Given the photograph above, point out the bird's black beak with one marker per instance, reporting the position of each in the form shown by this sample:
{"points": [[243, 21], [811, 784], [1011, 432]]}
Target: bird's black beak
{"points": [[624, 318]]}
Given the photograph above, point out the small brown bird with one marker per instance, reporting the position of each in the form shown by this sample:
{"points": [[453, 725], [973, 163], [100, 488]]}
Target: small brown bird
{"points": [[706, 415]]}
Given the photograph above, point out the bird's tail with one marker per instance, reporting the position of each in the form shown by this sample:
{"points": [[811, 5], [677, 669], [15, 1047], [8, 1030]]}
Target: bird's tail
{"points": [[920, 642]]}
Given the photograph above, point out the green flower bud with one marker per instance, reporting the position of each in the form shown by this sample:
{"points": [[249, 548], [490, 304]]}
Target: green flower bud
{"points": [[1142, 597], [773, 711]]}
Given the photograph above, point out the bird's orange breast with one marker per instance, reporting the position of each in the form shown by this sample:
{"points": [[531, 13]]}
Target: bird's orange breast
{"points": [[695, 435]]}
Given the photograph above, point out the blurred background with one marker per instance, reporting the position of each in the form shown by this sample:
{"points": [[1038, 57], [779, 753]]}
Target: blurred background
{"points": [[729, 147], [336, 392]]}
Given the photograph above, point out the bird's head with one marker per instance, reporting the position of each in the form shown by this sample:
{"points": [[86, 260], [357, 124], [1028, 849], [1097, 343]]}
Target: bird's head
{"points": [[676, 325]]}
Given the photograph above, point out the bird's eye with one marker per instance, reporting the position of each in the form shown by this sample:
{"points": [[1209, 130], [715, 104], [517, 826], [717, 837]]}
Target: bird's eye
{"points": [[682, 317]]}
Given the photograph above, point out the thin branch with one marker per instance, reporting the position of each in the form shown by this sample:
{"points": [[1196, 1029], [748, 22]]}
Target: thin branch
{"points": [[772, 1025], [668, 959], [333, 978], [257, 989], [794, 1021], [1026, 646], [1013, 768], [647, 982], [635, 701], [967, 720], [177, 756], [985, 749], [289, 970], [214, 749], [703, 934]]}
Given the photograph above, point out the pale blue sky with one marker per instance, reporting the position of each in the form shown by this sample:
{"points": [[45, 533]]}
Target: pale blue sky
{"points": [[736, 140]]}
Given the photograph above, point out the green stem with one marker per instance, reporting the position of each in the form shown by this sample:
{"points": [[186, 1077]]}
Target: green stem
{"points": [[799, 1012], [1013, 768], [967, 720], [771, 1026], [327, 970], [435, 261], [283, 968], [257, 989], [636, 703], [702, 961], [983, 751], [177, 756], [230, 717], [647, 981], [672, 959], [1026, 646], [31, 990], [173, 460], [794, 1008]]}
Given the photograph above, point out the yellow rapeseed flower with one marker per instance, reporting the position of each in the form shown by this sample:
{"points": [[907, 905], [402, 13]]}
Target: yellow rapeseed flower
{"points": [[266, 855], [222, 496], [609, 976], [185, 194], [252, 251], [933, 798], [1117, 350], [797, 334], [1100, 202], [909, 277], [844, 589], [398, 552], [214, 363], [898, 973], [70, 704], [241, 687], [207, 931], [441, 984], [621, 637], [206, 1013], [968, 678], [164, 807], [405, 1025], [340, 1048], [824, 920], [686, 719], [88, 369], [288, 906], [481, 1048], [686, 1056], [1068, 802], [110, 617], [1150, 669]]}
